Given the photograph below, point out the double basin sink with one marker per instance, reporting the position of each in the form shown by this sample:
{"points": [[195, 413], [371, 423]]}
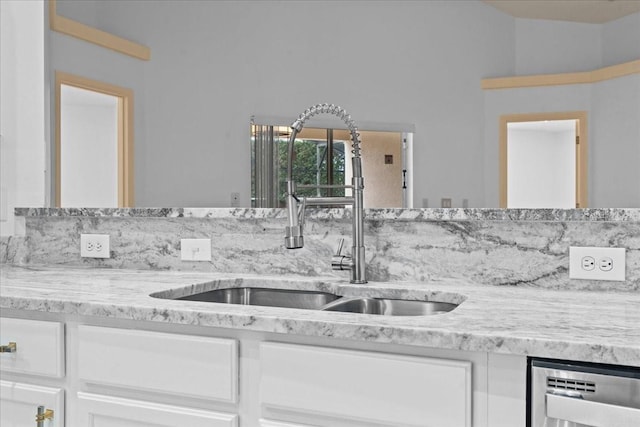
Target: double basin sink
{"points": [[323, 301]]}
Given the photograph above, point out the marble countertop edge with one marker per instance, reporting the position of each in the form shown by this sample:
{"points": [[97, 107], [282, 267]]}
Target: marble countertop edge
{"points": [[381, 214], [530, 324]]}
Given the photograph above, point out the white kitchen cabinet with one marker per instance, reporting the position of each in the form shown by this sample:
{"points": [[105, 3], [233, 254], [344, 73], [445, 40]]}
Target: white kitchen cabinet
{"points": [[271, 423], [39, 347], [507, 403], [175, 364], [19, 404], [107, 411], [120, 374], [37, 356], [345, 386], [154, 367]]}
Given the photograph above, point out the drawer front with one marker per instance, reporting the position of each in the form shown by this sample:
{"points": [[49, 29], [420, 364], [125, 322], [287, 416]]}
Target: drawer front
{"points": [[19, 404], [185, 365], [364, 386], [39, 347], [105, 411], [269, 423]]}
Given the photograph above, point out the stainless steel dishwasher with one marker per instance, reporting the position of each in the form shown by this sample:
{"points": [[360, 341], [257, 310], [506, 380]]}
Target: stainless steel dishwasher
{"points": [[576, 394]]}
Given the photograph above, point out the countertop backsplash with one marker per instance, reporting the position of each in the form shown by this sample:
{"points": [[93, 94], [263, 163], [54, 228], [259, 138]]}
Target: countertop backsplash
{"points": [[515, 247]]}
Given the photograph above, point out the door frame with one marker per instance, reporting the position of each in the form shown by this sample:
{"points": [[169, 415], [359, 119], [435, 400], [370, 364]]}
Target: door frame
{"points": [[125, 133], [581, 150]]}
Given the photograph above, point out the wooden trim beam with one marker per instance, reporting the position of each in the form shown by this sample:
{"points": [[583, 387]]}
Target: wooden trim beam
{"points": [[93, 35], [607, 73]]}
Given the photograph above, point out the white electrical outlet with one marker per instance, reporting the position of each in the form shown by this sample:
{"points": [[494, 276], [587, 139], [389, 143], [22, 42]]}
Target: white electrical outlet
{"points": [[94, 246], [195, 249], [597, 263], [446, 203], [235, 200]]}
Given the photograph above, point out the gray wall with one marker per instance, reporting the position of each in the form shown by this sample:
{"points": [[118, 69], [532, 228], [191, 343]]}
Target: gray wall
{"points": [[621, 40], [614, 143], [549, 47], [214, 64]]}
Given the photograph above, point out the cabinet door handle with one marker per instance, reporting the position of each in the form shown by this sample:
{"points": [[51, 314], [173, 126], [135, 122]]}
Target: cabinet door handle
{"points": [[43, 415], [587, 412], [10, 348]]}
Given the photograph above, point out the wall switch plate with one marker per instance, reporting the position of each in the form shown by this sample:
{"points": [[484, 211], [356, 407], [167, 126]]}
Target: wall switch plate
{"points": [[597, 263], [195, 249], [94, 246]]}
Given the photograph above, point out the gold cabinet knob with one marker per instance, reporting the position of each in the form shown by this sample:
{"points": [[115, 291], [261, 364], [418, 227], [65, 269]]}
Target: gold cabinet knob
{"points": [[43, 415], [10, 348]]}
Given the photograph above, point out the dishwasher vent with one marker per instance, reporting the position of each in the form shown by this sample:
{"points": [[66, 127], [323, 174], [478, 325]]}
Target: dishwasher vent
{"points": [[572, 385]]}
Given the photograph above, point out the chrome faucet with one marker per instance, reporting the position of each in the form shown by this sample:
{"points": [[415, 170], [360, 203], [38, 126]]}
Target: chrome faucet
{"points": [[294, 238]]}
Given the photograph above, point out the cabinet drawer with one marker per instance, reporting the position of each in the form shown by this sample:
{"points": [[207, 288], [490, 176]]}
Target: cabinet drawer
{"points": [[364, 386], [185, 365], [39, 347], [106, 411], [19, 404]]}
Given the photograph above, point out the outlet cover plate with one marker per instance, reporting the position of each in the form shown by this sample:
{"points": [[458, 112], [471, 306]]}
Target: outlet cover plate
{"points": [[195, 249], [615, 273], [95, 246]]}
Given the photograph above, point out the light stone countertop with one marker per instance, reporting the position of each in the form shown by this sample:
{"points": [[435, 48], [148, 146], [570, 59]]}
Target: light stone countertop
{"points": [[376, 214], [576, 325]]}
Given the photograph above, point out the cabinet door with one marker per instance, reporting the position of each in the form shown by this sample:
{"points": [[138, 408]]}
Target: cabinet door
{"points": [[270, 423], [39, 347], [364, 387], [184, 365], [105, 411], [19, 404]]}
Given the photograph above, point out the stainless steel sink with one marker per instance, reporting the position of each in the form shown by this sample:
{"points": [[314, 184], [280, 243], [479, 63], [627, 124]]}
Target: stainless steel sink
{"points": [[389, 307], [316, 300], [311, 300]]}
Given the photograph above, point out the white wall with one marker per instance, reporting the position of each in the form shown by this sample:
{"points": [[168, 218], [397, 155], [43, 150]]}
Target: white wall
{"points": [[214, 64], [89, 155], [614, 145], [524, 100], [77, 57], [613, 118], [541, 169], [22, 119]]}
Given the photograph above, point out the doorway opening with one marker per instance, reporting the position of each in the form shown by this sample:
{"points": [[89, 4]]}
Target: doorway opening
{"points": [[323, 157], [94, 143], [543, 160]]}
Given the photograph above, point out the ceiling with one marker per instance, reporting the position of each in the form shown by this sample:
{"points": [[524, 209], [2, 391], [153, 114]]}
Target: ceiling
{"points": [[588, 11]]}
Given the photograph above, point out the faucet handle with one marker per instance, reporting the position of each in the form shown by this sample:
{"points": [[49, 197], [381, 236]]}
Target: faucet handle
{"points": [[339, 261]]}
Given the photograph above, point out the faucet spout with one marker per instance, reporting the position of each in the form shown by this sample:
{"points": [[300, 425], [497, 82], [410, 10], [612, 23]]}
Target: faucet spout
{"points": [[294, 238]]}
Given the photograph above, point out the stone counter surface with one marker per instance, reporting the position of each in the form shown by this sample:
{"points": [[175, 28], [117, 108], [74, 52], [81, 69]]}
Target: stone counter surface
{"points": [[583, 325], [395, 214]]}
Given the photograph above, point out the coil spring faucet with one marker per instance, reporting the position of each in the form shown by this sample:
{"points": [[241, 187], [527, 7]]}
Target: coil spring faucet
{"points": [[294, 238]]}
